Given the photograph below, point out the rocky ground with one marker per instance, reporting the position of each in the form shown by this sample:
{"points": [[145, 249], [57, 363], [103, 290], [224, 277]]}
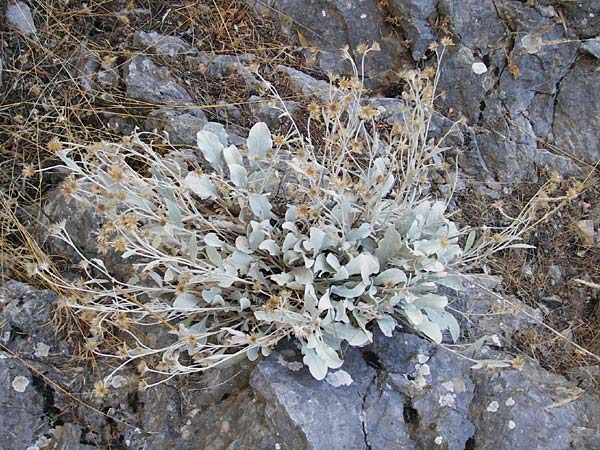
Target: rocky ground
{"points": [[523, 76], [402, 392]]}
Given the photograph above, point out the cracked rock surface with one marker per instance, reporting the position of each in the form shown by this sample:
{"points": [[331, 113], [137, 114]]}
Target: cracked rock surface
{"points": [[522, 110], [153, 84], [333, 24], [406, 393]]}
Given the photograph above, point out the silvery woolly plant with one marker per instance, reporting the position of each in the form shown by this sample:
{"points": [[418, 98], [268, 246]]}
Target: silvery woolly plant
{"points": [[317, 236]]}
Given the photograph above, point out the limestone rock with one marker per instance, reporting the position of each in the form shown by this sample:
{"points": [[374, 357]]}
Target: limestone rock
{"points": [[292, 398], [527, 409], [408, 393], [19, 16], [162, 45], [22, 417], [329, 25], [181, 125], [263, 111], [26, 309], [221, 66], [582, 17], [153, 84], [473, 23], [414, 17], [305, 84], [592, 46], [85, 66], [577, 113]]}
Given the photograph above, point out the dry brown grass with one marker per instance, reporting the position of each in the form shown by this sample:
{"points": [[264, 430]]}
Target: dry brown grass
{"points": [[569, 306], [44, 98]]}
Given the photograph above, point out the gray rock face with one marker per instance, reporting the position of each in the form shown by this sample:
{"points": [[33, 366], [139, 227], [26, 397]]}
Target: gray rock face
{"points": [[22, 418], [182, 125], [153, 84], [26, 309], [577, 113], [108, 75], [473, 23], [406, 393], [529, 56], [68, 437], [527, 409], [414, 17], [592, 46], [82, 223], [27, 327], [263, 111], [291, 400], [461, 85], [161, 44], [475, 305], [26, 331], [541, 64], [85, 65], [422, 397], [510, 104], [582, 17], [333, 24], [436, 388], [19, 16], [305, 84], [221, 66]]}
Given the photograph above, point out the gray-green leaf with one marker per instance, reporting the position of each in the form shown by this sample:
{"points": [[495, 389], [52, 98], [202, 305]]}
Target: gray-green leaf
{"points": [[259, 141]]}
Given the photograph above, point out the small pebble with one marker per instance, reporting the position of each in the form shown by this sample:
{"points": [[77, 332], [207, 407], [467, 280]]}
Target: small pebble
{"points": [[493, 406], [20, 383], [41, 350], [479, 68]]}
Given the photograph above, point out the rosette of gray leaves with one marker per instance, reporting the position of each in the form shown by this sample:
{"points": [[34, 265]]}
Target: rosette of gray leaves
{"points": [[346, 270], [227, 255]]}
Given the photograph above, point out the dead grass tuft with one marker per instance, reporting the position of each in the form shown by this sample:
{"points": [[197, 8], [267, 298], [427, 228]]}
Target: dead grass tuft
{"points": [[560, 276]]}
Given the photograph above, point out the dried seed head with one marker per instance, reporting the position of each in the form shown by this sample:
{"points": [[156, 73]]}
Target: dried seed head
{"points": [[334, 107], [70, 185], [54, 145], [182, 288], [314, 110], [433, 46], [120, 244], [303, 211], [447, 41], [368, 113], [311, 171], [518, 363], [130, 221], [361, 49], [116, 173], [28, 171], [100, 389], [345, 84]]}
